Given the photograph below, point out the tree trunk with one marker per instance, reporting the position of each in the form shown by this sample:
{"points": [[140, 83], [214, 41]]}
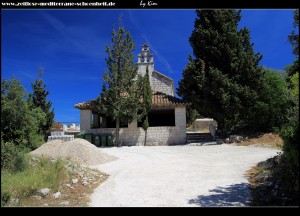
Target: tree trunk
{"points": [[117, 132], [145, 141]]}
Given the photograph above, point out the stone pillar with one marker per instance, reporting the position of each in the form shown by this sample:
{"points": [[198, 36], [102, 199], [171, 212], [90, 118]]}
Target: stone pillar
{"points": [[85, 119], [180, 122], [180, 117], [133, 125]]}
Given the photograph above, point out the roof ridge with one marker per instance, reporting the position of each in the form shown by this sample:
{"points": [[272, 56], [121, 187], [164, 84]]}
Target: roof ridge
{"points": [[163, 75]]}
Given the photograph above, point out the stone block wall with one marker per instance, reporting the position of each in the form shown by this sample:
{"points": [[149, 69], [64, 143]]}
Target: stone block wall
{"points": [[203, 124], [161, 84]]}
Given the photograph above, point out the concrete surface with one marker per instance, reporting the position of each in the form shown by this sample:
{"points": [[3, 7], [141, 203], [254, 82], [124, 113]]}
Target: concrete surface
{"points": [[178, 176]]}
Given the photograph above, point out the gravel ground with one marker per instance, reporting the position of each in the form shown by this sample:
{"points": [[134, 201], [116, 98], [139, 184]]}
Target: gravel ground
{"points": [[178, 176], [79, 150]]}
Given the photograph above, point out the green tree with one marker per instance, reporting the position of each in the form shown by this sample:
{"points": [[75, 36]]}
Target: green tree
{"points": [[231, 79], [290, 130], [19, 123], [191, 115], [38, 98], [294, 36], [119, 97], [273, 103], [295, 85], [294, 41], [146, 102]]}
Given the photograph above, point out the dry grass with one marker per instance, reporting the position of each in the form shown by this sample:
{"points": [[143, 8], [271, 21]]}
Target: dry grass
{"points": [[252, 173], [56, 175], [79, 196], [271, 140]]}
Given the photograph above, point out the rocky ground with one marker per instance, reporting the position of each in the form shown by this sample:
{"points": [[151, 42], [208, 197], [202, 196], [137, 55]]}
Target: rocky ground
{"points": [[80, 181], [265, 187], [268, 186], [75, 191]]}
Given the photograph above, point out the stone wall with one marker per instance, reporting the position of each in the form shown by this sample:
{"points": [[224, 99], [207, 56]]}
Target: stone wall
{"points": [[85, 119], [134, 135], [203, 124], [158, 82], [142, 69], [161, 84]]}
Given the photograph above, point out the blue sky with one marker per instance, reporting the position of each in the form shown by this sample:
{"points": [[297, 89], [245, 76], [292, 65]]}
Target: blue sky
{"points": [[70, 44]]}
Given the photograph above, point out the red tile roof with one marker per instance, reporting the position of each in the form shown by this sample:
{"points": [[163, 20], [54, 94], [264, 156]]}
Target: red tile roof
{"points": [[159, 100]]}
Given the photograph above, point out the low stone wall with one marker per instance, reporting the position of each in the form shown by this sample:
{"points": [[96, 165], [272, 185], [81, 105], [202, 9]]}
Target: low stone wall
{"points": [[155, 136], [203, 124]]}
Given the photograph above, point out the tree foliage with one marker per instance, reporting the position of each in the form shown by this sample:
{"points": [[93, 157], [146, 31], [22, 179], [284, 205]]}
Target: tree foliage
{"points": [[19, 123], [119, 97], [269, 112], [228, 86], [191, 115], [146, 102], [38, 99], [290, 131], [294, 36]]}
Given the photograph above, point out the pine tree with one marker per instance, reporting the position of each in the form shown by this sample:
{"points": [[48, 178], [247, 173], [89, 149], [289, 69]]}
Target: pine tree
{"points": [[146, 102], [227, 87], [38, 98], [119, 97], [294, 41]]}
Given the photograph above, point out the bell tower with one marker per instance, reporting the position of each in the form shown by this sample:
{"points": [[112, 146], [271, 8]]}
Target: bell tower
{"points": [[145, 57]]}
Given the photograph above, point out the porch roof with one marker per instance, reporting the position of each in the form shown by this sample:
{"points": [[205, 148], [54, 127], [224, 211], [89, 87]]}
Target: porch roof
{"points": [[159, 100]]}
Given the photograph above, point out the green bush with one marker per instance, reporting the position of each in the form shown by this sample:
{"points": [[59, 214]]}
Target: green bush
{"points": [[9, 152], [21, 162], [269, 113], [35, 140], [290, 136]]}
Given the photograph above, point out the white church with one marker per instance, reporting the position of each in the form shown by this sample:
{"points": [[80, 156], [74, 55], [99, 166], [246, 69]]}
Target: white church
{"points": [[167, 118]]}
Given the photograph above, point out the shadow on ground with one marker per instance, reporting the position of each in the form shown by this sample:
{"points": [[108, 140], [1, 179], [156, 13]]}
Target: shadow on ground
{"points": [[233, 195]]}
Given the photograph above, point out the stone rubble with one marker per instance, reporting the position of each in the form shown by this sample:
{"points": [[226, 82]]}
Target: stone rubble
{"points": [[57, 195], [44, 191]]}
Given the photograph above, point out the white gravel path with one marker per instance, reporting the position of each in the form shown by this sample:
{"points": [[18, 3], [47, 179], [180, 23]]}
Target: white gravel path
{"points": [[178, 175]]}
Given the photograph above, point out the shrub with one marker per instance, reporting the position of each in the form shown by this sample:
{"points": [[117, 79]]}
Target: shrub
{"points": [[9, 152], [29, 179], [21, 162], [290, 136]]}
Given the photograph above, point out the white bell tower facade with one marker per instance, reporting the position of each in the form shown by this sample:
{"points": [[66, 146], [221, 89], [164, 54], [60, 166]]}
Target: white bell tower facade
{"points": [[145, 57]]}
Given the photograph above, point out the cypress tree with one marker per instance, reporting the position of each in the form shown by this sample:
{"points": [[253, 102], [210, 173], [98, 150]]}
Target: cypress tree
{"points": [[146, 102], [227, 87]]}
